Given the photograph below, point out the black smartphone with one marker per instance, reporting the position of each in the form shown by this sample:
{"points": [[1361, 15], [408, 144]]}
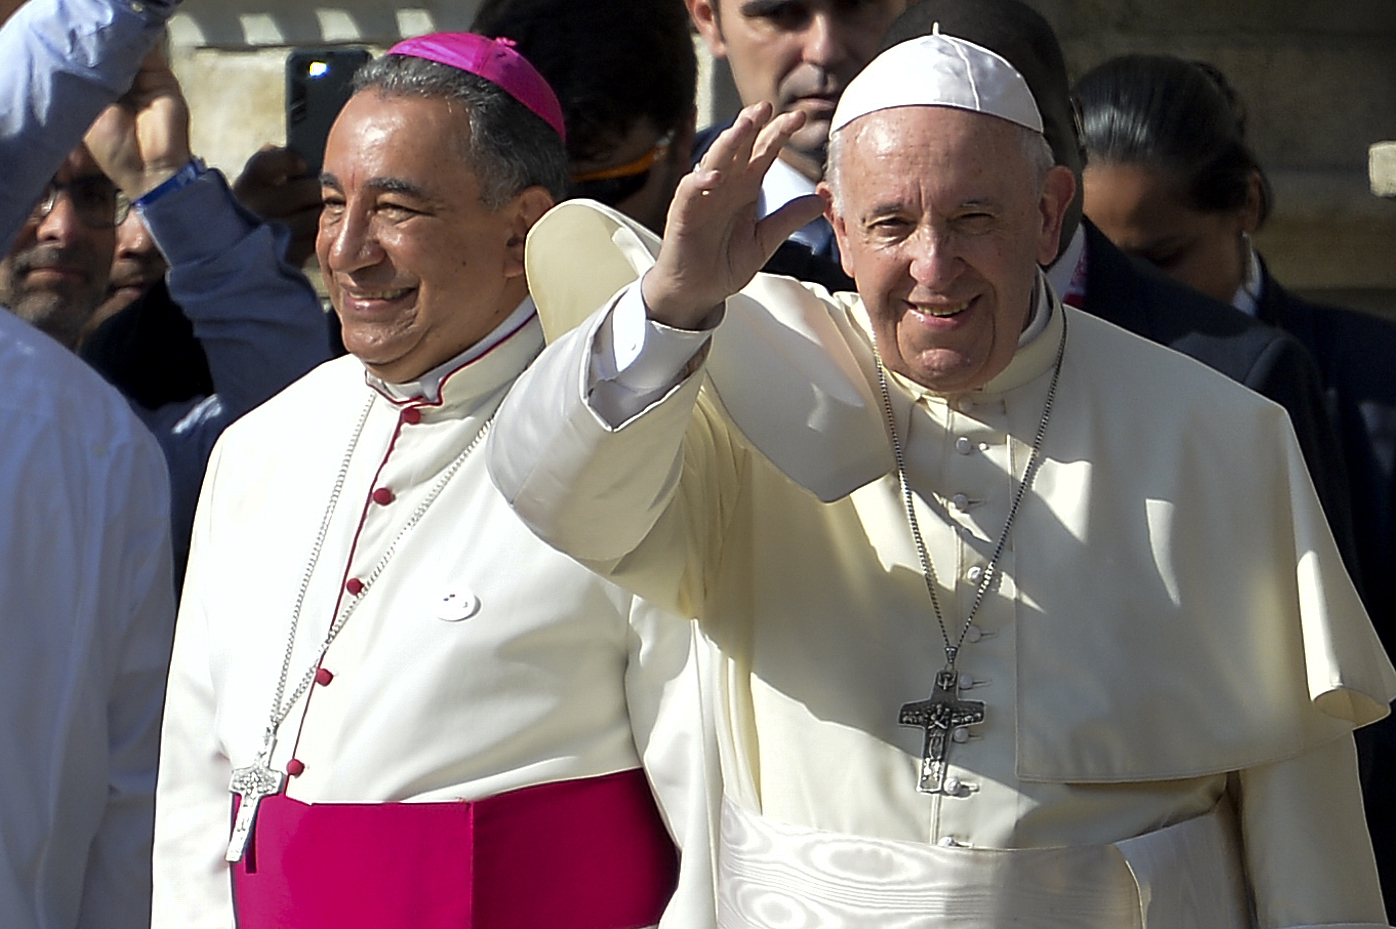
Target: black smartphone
{"points": [[318, 82]]}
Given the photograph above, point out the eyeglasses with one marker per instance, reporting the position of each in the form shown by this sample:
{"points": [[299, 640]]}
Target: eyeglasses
{"points": [[612, 185], [96, 201]]}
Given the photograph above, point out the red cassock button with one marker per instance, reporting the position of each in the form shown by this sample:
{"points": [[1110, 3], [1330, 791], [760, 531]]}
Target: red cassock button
{"points": [[383, 496], [323, 676], [412, 416], [295, 767], [354, 586]]}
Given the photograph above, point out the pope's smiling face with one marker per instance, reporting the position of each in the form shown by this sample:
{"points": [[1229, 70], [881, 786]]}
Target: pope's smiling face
{"points": [[417, 267], [942, 219]]}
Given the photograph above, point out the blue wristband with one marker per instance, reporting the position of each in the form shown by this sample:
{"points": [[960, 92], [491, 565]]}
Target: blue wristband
{"points": [[182, 178]]}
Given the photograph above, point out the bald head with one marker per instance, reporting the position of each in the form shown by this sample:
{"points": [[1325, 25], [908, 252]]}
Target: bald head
{"points": [[1020, 34]]}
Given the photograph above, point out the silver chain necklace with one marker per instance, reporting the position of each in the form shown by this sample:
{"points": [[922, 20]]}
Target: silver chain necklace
{"points": [[258, 780], [943, 713]]}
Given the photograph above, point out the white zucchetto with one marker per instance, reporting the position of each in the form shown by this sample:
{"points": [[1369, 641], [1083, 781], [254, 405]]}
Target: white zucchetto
{"points": [[939, 70]]}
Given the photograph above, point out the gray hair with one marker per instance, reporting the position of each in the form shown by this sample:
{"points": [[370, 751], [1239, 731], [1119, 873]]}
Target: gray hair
{"points": [[509, 147], [1036, 151]]}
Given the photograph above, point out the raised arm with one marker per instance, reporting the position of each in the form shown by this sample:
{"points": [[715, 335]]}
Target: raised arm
{"points": [[595, 439], [65, 61], [256, 316]]}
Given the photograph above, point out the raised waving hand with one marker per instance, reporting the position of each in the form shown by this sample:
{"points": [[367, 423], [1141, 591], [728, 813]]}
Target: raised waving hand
{"points": [[714, 242]]}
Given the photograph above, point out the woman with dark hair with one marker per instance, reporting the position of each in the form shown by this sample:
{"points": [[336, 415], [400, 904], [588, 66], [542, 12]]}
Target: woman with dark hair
{"points": [[1171, 179]]}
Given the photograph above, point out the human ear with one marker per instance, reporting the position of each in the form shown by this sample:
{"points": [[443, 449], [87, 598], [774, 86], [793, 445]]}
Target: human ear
{"points": [[1057, 193], [840, 228], [525, 210], [704, 16], [1254, 207]]}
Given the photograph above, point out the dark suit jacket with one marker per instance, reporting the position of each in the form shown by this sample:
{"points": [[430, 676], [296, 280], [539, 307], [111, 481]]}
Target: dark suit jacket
{"points": [[793, 259], [1137, 297], [148, 351]]}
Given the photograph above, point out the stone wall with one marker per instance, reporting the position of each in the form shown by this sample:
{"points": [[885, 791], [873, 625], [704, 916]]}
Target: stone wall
{"points": [[230, 56], [1319, 81]]}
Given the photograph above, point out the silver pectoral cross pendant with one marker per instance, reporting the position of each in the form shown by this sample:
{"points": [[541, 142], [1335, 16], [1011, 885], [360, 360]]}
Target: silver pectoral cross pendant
{"points": [[252, 784], [940, 716]]}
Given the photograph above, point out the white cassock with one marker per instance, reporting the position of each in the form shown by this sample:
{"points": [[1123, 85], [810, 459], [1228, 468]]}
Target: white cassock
{"points": [[479, 662], [1171, 662]]}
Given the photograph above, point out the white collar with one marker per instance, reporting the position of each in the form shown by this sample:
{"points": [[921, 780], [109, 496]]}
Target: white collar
{"points": [[428, 386], [1247, 297], [1061, 272], [1041, 313], [782, 184]]}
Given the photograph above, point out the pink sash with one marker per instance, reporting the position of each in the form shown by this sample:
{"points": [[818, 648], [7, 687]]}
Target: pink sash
{"points": [[582, 854]]}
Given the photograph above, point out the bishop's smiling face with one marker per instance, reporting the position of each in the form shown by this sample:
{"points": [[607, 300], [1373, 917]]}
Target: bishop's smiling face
{"points": [[942, 221], [417, 267]]}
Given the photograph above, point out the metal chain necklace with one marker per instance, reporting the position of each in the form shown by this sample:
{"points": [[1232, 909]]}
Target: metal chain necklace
{"points": [[258, 780], [944, 712]]}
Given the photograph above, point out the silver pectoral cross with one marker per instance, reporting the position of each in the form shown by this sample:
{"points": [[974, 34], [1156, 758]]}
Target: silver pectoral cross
{"points": [[940, 716], [252, 784]]}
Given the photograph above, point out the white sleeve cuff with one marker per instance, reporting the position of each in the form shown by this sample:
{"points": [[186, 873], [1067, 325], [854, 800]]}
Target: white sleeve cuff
{"points": [[635, 360], [646, 355]]}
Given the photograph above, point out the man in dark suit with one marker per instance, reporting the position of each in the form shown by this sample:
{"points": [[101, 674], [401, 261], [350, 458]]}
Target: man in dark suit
{"points": [[797, 55]]}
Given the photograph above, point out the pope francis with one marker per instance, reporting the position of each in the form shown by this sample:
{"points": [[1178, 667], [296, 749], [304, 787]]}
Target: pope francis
{"points": [[1011, 617]]}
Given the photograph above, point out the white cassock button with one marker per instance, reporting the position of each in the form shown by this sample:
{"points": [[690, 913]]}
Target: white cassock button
{"points": [[963, 445], [952, 784], [947, 842], [457, 605], [965, 404], [975, 574], [966, 680], [973, 634], [960, 502], [961, 735]]}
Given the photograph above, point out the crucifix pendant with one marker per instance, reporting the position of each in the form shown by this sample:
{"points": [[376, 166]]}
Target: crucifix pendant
{"points": [[252, 784], [940, 716]]}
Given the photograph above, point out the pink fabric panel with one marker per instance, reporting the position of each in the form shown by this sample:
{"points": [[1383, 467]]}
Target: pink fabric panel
{"points": [[582, 854], [587, 854]]}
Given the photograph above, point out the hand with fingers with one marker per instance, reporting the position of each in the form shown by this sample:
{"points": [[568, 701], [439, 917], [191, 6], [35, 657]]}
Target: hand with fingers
{"points": [[714, 242], [275, 186], [142, 140]]}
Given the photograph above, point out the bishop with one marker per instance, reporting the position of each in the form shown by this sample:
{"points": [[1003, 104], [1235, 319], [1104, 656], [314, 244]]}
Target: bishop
{"points": [[463, 727]]}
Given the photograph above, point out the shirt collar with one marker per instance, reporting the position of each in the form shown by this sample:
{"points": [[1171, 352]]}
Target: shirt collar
{"points": [[782, 184], [1247, 298], [1066, 274]]}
